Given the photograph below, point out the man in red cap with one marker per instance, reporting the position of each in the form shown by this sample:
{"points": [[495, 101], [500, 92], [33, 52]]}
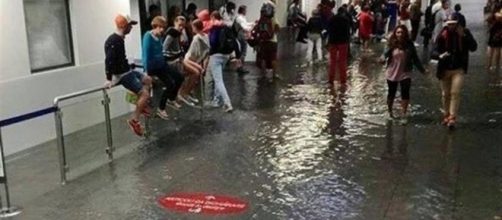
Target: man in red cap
{"points": [[118, 71]]}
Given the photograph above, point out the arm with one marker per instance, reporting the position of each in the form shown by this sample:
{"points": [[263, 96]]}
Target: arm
{"points": [[244, 24], [145, 52], [414, 58], [165, 46], [439, 49], [471, 42], [110, 55], [196, 65]]}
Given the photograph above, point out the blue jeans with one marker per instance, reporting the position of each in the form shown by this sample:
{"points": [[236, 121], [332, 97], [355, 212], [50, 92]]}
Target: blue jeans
{"points": [[217, 62]]}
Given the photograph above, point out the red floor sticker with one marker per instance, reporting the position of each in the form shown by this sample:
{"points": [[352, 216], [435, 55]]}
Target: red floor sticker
{"points": [[203, 203]]}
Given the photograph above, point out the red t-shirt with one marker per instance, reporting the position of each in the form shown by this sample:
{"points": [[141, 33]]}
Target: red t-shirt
{"points": [[365, 25]]}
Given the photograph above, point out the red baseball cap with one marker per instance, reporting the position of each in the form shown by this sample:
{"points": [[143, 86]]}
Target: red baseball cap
{"points": [[121, 21]]}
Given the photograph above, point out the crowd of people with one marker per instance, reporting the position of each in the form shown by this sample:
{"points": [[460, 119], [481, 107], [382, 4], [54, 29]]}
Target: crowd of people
{"points": [[396, 23], [181, 48]]}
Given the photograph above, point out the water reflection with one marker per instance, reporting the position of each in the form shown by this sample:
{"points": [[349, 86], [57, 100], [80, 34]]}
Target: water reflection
{"points": [[396, 147]]}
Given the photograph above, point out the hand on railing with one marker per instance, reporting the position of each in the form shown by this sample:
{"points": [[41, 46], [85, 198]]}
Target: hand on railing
{"points": [[108, 84]]}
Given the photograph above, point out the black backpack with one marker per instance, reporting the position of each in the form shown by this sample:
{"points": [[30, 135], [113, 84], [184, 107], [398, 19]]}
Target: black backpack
{"points": [[226, 40]]}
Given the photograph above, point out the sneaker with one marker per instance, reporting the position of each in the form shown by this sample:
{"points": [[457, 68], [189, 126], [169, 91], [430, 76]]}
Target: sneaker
{"points": [[241, 70], [162, 114], [147, 112], [404, 121], [185, 100], [136, 127], [211, 104], [192, 99], [269, 74], [228, 108], [173, 104]]}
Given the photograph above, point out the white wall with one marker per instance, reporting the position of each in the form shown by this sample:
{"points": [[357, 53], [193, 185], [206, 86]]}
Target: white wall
{"points": [[22, 92]]}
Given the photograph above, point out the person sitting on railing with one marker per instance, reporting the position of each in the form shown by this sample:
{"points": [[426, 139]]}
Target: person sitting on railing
{"points": [[174, 52], [155, 65], [118, 71], [196, 60]]}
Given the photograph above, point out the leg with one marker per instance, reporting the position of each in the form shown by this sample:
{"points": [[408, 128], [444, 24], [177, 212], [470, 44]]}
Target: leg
{"points": [[177, 79], [332, 63], [490, 56], [405, 95], [244, 48], [169, 86], [318, 46], [457, 81], [310, 48], [497, 56], [217, 64], [446, 93], [342, 61], [193, 76], [391, 95]]}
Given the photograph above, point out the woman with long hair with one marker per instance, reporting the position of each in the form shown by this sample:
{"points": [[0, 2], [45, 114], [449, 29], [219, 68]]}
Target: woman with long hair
{"points": [[401, 57]]}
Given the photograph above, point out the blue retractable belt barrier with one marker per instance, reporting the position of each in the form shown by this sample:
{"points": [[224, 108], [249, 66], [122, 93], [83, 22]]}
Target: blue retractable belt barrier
{"points": [[28, 116]]}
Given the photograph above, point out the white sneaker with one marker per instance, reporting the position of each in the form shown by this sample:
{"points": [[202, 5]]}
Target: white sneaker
{"points": [[192, 99], [228, 108], [162, 114], [185, 100], [173, 104], [269, 73]]}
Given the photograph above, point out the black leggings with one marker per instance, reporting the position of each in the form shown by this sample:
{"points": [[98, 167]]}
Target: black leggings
{"points": [[405, 89], [172, 80]]}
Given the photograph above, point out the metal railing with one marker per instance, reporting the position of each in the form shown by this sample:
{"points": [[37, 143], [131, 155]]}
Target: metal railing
{"points": [[58, 118], [9, 210]]}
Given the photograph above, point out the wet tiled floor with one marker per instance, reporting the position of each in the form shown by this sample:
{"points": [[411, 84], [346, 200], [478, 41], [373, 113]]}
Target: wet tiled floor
{"points": [[293, 149]]}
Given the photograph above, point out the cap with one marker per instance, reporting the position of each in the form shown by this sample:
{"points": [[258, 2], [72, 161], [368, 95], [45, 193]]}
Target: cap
{"points": [[121, 21]]}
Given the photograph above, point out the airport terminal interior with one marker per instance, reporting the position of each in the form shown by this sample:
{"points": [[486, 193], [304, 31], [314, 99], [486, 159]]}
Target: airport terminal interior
{"points": [[297, 120]]}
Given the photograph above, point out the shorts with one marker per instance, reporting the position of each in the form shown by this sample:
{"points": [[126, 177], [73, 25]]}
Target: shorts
{"points": [[132, 81]]}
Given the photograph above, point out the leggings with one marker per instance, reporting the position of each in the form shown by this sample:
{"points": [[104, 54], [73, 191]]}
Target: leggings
{"points": [[405, 89]]}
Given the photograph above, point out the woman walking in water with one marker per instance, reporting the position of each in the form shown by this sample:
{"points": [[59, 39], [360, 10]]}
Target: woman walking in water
{"points": [[401, 57]]}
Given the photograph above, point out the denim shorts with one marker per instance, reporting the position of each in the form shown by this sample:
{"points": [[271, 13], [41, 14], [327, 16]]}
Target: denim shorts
{"points": [[133, 81]]}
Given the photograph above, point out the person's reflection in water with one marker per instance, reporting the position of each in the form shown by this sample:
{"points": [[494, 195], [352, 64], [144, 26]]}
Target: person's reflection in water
{"points": [[396, 147], [336, 114]]}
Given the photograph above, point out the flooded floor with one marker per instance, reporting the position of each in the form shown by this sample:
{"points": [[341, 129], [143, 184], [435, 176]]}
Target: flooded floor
{"points": [[294, 149]]}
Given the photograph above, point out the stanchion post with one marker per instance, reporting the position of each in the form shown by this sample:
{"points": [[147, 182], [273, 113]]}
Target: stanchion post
{"points": [[202, 96], [58, 117], [106, 103], [8, 211]]}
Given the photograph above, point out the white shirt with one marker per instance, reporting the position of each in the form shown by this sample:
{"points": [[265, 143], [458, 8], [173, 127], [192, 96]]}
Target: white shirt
{"points": [[241, 19]]}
